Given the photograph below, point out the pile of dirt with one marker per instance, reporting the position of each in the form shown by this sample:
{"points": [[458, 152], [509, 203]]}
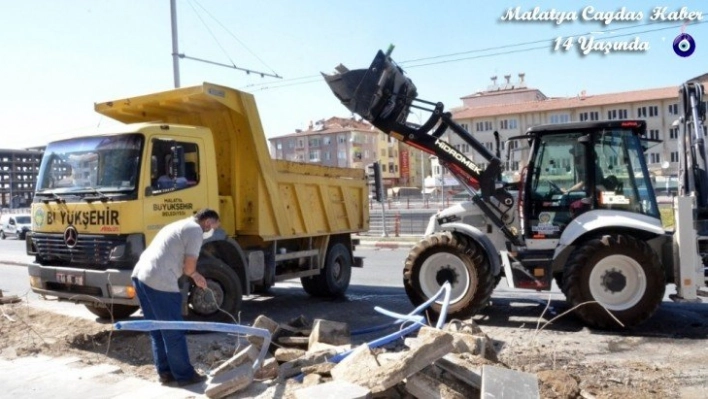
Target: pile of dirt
{"points": [[577, 365]]}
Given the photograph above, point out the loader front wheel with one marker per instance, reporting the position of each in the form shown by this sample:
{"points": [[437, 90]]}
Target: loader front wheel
{"points": [[615, 276], [446, 257]]}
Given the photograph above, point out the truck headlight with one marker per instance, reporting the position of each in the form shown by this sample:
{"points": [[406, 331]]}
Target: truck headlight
{"points": [[35, 282], [123, 291]]}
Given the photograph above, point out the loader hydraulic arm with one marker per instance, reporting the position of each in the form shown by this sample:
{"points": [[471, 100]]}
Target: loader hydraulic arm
{"points": [[693, 165], [384, 96]]}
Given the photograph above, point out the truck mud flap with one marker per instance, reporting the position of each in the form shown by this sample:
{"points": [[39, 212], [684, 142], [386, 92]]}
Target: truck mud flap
{"points": [[358, 261]]}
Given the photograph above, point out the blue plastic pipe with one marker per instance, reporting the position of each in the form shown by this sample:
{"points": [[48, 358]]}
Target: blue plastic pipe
{"points": [[150, 325]]}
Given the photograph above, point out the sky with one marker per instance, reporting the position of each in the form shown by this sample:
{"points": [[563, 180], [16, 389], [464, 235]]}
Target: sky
{"points": [[60, 57]]}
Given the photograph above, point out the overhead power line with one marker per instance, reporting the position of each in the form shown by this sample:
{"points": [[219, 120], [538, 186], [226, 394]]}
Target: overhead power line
{"points": [[487, 52]]}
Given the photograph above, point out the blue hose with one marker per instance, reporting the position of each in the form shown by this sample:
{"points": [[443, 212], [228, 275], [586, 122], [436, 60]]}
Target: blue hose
{"points": [[150, 325]]}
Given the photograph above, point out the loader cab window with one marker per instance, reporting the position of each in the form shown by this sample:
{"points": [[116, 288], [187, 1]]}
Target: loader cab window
{"points": [[174, 165], [576, 172]]}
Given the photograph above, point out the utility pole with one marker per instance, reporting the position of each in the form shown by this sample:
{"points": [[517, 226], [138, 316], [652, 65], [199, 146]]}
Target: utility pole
{"points": [[176, 54], [175, 49]]}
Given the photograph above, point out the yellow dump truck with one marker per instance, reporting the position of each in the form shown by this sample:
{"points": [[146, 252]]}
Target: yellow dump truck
{"points": [[102, 196]]}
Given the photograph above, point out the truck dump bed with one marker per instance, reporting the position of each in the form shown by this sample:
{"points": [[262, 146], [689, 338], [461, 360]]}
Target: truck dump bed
{"points": [[268, 198]]}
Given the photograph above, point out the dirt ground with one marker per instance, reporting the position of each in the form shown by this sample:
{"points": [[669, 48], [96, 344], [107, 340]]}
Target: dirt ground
{"points": [[570, 361]]}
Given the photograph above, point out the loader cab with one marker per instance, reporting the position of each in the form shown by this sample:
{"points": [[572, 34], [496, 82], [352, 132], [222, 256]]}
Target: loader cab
{"points": [[583, 167]]}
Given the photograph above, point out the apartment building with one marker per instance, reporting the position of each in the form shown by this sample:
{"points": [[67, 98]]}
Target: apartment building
{"points": [[18, 177], [353, 143], [510, 108]]}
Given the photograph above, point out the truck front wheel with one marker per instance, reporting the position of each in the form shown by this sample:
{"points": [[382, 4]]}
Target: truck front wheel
{"points": [[445, 257], [334, 278], [222, 297], [118, 312], [615, 273]]}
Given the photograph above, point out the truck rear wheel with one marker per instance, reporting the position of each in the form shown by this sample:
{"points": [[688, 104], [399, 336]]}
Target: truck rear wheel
{"points": [[119, 311], [222, 298], [454, 258], [621, 274], [334, 278]]}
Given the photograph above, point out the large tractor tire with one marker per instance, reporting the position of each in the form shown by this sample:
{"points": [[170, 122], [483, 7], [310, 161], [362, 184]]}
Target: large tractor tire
{"points": [[618, 273], [334, 278], [222, 298], [112, 312], [446, 257]]}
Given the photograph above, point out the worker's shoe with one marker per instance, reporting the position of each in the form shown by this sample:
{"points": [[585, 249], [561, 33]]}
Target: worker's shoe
{"points": [[197, 378], [166, 378]]}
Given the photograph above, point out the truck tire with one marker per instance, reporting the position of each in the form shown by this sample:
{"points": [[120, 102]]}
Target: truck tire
{"points": [[621, 274], [119, 311], [222, 298], [334, 278], [2, 234], [442, 257]]}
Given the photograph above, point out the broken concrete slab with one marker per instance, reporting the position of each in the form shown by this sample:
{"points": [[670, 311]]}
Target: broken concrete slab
{"points": [[265, 323], [288, 354], [363, 367], [463, 342], [321, 346], [429, 385], [294, 367], [230, 381], [461, 369], [502, 383], [334, 390], [329, 332], [268, 371], [249, 354]]}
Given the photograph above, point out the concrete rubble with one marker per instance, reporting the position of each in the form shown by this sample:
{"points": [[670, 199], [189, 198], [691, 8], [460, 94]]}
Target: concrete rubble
{"points": [[456, 361]]}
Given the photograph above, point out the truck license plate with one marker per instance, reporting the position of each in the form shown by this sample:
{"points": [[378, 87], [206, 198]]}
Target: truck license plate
{"points": [[70, 278]]}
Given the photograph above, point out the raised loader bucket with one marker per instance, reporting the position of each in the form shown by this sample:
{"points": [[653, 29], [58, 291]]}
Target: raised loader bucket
{"points": [[381, 94]]}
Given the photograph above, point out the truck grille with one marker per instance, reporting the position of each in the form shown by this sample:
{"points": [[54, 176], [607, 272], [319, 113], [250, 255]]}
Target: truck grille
{"points": [[91, 251]]}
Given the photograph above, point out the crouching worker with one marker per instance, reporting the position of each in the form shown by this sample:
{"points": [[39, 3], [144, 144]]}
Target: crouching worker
{"points": [[172, 253]]}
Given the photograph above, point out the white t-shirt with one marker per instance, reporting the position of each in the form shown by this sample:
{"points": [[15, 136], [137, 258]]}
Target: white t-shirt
{"points": [[162, 262]]}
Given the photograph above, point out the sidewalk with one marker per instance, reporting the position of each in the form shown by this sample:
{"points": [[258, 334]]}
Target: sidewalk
{"points": [[41, 377], [390, 242]]}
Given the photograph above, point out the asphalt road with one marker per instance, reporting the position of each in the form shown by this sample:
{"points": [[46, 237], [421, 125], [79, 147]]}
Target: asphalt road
{"points": [[379, 284]]}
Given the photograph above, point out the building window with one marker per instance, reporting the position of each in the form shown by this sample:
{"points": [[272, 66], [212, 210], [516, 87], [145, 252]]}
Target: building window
{"points": [[654, 157], [315, 156], [279, 145], [483, 126], [617, 114], [674, 156], [589, 116], [653, 111], [314, 142], [301, 143], [341, 139], [642, 112], [673, 109], [508, 124], [327, 156], [654, 134], [559, 118], [673, 133], [326, 140], [341, 155]]}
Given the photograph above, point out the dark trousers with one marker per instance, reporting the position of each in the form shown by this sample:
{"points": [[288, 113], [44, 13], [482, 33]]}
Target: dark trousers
{"points": [[169, 347]]}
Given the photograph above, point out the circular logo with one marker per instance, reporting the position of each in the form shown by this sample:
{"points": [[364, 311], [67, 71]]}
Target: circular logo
{"points": [[39, 217], [71, 236], [684, 45]]}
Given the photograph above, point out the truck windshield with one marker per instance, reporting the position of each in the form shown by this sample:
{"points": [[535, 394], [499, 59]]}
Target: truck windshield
{"points": [[91, 164]]}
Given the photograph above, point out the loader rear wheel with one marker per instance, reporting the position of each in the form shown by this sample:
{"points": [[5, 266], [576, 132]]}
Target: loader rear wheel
{"points": [[222, 298], [334, 278], [616, 272], [118, 312], [446, 257]]}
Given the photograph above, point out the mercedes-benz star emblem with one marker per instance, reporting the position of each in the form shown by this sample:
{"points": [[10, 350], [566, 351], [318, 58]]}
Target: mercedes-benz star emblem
{"points": [[71, 236]]}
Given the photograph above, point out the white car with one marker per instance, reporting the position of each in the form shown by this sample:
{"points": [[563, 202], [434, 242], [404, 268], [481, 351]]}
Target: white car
{"points": [[15, 225]]}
